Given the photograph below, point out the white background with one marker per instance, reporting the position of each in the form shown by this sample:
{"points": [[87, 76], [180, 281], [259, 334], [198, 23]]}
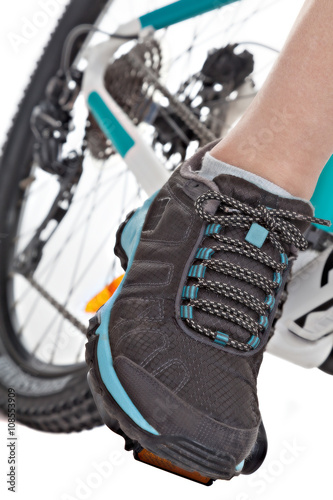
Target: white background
{"points": [[295, 403]]}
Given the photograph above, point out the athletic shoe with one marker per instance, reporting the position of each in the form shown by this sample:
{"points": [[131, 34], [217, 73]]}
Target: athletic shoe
{"points": [[174, 355]]}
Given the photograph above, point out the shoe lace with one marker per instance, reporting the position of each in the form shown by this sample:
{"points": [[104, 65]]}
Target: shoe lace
{"points": [[263, 224]]}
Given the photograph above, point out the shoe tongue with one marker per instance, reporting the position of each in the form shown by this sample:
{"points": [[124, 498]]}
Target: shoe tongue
{"points": [[253, 195]]}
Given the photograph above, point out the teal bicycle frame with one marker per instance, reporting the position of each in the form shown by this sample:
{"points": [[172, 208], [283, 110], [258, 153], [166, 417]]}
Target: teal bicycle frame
{"points": [[162, 18], [180, 11]]}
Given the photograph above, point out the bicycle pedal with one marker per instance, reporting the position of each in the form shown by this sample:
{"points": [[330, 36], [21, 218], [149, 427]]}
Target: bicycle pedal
{"points": [[150, 458]]}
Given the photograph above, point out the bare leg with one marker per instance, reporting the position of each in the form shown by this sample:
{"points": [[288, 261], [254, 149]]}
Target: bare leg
{"points": [[286, 135]]}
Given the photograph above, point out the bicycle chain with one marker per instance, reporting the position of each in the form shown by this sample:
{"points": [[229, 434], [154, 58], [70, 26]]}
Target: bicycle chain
{"points": [[60, 308]]}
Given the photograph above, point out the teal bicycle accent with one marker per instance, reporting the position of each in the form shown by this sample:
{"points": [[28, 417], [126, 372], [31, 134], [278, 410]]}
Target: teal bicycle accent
{"points": [[180, 11], [109, 124], [322, 198]]}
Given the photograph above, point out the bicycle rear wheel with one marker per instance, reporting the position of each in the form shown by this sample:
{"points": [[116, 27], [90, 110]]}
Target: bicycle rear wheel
{"points": [[46, 400]]}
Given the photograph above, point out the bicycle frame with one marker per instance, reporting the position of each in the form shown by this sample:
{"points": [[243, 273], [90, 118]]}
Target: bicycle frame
{"points": [[149, 171]]}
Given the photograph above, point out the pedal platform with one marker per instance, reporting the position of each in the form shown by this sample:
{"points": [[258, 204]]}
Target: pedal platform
{"points": [[150, 458]]}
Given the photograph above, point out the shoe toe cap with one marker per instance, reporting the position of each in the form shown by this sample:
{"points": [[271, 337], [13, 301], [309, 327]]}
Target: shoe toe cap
{"points": [[186, 431]]}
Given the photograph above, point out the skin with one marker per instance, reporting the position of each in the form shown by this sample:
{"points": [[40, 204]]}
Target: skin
{"points": [[286, 135]]}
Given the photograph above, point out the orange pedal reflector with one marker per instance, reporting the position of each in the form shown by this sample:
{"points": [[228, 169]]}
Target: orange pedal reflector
{"points": [[103, 296], [150, 458]]}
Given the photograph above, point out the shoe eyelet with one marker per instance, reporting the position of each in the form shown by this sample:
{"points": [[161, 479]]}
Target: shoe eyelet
{"points": [[254, 341], [270, 302], [263, 322], [277, 279]]}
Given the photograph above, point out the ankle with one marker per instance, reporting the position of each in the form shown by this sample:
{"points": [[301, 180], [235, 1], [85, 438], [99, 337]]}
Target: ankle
{"points": [[290, 177]]}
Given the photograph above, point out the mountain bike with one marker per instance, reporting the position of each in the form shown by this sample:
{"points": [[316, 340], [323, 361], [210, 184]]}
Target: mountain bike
{"points": [[111, 109]]}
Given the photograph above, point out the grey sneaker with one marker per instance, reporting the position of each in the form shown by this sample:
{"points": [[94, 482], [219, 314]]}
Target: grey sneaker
{"points": [[174, 355]]}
